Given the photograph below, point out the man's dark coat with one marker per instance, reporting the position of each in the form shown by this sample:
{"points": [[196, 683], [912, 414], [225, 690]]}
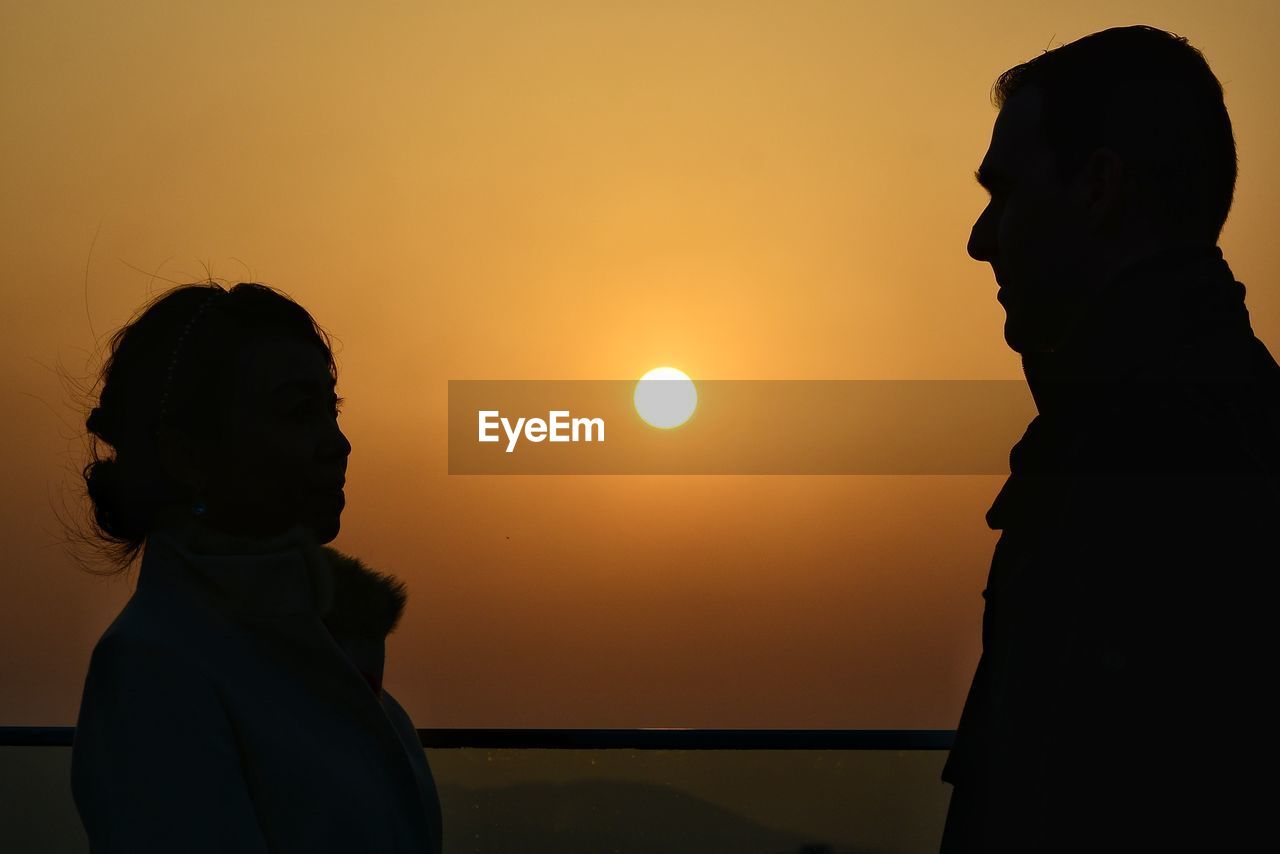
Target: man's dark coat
{"points": [[1121, 701]]}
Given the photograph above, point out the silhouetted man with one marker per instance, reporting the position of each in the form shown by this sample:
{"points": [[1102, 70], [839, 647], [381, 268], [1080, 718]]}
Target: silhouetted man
{"points": [[1121, 702]]}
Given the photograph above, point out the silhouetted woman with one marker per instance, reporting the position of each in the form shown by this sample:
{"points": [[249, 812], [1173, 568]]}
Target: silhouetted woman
{"points": [[235, 704]]}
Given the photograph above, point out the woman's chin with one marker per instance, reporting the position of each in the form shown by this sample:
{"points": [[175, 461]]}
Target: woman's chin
{"points": [[326, 515], [325, 528]]}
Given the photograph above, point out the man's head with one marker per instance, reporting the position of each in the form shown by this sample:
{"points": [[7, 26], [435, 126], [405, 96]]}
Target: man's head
{"points": [[1105, 150]]}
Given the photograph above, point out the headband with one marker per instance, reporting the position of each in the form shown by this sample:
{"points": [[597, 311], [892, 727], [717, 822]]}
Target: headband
{"points": [[177, 348]]}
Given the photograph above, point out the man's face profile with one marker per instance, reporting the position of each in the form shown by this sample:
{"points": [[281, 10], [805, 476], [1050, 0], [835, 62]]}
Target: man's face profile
{"points": [[1031, 231]]}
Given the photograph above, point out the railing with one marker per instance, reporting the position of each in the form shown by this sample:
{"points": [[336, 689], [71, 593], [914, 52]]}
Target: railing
{"points": [[611, 739]]}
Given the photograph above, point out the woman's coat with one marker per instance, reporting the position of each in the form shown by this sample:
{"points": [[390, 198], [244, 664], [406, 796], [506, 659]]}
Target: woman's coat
{"points": [[235, 705]]}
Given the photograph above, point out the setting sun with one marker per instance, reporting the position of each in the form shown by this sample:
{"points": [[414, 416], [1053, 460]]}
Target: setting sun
{"points": [[666, 397]]}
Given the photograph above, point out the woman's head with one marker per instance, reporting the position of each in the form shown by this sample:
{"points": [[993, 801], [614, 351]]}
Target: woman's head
{"points": [[222, 399]]}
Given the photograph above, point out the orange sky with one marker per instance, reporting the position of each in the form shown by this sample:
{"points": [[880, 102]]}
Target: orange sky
{"points": [[561, 191]]}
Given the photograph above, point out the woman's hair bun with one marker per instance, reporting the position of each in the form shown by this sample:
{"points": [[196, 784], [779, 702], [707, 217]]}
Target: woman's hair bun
{"points": [[98, 424], [104, 480]]}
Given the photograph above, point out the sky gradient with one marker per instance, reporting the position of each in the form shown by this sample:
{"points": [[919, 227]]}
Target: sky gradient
{"points": [[479, 190]]}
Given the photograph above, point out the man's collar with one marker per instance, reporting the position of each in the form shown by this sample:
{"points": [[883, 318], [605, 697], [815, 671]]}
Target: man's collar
{"points": [[1174, 318]]}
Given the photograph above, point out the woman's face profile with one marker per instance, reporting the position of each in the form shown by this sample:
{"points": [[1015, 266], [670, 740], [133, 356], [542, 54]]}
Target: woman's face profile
{"points": [[286, 458]]}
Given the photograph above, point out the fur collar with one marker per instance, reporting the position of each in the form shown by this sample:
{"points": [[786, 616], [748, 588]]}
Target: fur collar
{"points": [[365, 603], [285, 574]]}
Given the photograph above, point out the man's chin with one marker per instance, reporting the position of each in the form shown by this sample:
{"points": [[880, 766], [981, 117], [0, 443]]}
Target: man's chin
{"points": [[1015, 337], [1021, 339]]}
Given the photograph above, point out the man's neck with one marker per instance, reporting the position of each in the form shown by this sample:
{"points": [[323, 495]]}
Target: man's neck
{"points": [[1110, 266]]}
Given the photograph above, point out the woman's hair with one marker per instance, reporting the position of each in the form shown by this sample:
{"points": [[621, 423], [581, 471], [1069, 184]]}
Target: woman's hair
{"points": [[175, 364]]}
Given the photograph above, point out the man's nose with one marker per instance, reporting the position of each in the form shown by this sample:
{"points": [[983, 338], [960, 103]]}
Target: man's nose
{"points": [[982, 238]]}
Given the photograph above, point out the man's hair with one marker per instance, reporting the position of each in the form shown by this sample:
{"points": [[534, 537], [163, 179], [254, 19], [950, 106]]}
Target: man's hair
{"points": [[1149, 96]]}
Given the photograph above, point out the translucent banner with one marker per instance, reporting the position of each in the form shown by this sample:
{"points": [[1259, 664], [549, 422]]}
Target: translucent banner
{"points": [[880, 427]]}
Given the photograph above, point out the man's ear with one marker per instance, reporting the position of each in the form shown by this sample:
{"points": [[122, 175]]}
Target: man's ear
{"points": [[1100, 187]]}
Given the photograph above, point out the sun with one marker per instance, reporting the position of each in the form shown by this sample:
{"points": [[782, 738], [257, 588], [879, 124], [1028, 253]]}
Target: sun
{"points": [[666, 397]]}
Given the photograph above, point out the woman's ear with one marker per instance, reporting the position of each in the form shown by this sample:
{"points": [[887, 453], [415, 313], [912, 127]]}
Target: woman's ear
{"points": [[182, 458]]}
